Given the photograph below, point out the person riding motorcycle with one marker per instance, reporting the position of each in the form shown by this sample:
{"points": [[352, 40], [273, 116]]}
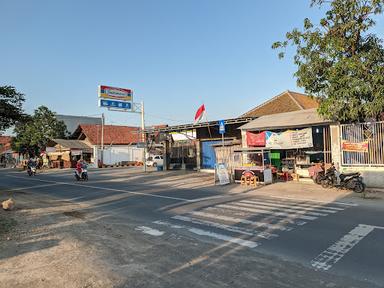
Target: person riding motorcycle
{"points": [[78, 167]]}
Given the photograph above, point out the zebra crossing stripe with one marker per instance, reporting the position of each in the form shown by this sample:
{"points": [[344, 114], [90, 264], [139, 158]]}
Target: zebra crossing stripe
{"points": [[285, 198], [270, 219], [274, 208], [201, 232], [334, 253], [244, 221], [305, 204], [261, 211], [235, 229], [293, 206], [239, 241]]}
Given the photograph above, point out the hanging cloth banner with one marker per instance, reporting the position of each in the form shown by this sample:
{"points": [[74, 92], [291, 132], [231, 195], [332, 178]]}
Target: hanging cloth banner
{"points": [[290, 139], [255, 140]]}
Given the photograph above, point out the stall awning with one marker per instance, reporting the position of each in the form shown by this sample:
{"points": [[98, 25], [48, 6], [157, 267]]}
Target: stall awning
{"points": [[73, 145], [295, 119]]}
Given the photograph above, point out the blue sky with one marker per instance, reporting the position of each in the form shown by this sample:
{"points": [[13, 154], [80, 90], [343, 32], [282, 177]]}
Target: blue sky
{"points": [[174, 54]]}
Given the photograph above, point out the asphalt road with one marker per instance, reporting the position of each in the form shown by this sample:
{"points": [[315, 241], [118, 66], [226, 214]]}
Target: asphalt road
{"points": [[204, 236]]}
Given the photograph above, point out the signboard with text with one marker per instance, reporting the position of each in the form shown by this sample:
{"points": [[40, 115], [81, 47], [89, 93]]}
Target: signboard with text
{"points": [[355, 146], [222, 173], [290, 139], [115, 104], [115, 93]]}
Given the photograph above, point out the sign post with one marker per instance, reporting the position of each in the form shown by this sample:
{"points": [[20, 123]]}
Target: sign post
{"points": [[121, 99], [222, 130]]}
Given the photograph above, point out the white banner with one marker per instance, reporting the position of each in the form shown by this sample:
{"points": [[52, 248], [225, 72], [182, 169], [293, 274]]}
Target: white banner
{"points": [[290, 139]]}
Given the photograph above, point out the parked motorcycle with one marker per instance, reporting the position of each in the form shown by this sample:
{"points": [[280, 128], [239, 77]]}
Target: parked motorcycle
{"points": [[83, 175], [350, 181]]}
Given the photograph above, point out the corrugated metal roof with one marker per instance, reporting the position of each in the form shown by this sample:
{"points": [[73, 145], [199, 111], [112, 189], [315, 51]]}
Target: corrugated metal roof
{"points": [[295, 119], [72, 144]]}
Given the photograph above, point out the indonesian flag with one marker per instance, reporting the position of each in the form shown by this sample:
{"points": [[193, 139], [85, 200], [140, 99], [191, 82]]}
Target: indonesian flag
{"points": [[199, 114]]}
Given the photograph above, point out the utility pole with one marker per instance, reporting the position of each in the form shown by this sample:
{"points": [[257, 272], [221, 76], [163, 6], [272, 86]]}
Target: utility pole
{"points": [[144, 137], [102, 139]]}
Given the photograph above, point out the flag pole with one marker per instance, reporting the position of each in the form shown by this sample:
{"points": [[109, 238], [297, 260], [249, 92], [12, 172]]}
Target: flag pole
{"points": [[209, 128]]}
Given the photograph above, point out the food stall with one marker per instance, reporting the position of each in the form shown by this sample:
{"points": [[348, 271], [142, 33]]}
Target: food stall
{"points": [[253, 159]]}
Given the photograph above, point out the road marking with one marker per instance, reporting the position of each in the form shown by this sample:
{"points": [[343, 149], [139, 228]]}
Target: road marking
{"points": [[314, 201], [32, 187], [108, 189], [149, 230], [263, 211], [240, 220], [235, 229], [293, 206], [338, 250], [303, 204], [239, 241], [241, 203]]}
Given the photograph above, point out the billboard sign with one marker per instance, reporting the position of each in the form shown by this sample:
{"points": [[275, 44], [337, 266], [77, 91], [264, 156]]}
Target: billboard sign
{"points": [[115, 104], [115, 93]]}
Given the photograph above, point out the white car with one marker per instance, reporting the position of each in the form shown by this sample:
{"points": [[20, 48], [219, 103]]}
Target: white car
{"points": [[155, 161]]}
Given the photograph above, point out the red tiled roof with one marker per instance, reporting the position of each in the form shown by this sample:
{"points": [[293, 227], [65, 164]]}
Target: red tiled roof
{"points": [[287, 101], [115, 135]]}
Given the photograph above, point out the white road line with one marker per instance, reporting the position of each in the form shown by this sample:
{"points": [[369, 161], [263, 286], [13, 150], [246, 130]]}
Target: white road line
{"points": [[323, 206], [275, 208], [334, 253], [293, 206], [32, 187], [109, 189], [221, 226], [239, 241], [271, 219], [240, 220], [149, 230], [261, 211], [314, 201]]}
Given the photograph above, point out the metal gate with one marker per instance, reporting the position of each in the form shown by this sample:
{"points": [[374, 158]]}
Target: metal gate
{"points": [[362, 144]]}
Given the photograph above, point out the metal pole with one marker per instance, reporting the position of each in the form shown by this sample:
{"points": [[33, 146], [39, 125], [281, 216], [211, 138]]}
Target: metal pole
{"points": [[143, 138], [222, 138], [102, 139]]}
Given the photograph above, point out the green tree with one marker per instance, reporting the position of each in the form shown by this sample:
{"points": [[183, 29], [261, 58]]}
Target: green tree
{"points": [[340, 61], [11, 110], [34, 134]]}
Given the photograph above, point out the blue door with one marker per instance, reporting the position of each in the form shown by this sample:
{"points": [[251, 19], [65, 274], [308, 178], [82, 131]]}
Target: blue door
{"points": [[208, 157]]}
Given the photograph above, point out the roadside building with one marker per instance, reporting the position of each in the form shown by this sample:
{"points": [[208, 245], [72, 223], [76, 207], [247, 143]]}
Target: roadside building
{"points": [[63, 153], [294, 141], [202, 146], [111, 144]]}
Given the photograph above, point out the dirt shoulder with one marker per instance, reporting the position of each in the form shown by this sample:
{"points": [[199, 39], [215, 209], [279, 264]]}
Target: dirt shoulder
{"points": [[40, 247]]}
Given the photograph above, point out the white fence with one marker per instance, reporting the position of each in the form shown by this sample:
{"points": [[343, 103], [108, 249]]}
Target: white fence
{"points": [[119, 154]]}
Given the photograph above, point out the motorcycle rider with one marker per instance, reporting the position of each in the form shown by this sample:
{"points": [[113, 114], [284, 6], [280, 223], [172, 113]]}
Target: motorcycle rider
{"points": [[79, 167]]}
